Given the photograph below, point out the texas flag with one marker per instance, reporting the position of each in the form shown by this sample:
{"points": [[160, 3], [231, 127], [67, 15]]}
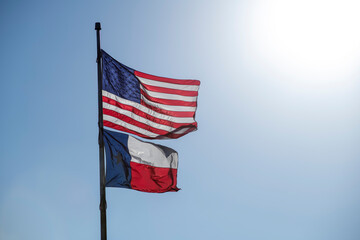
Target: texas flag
{"points": [[143, 166]]}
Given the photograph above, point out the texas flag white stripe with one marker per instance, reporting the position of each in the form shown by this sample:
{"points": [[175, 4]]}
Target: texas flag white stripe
{"points": [[152, 154]]}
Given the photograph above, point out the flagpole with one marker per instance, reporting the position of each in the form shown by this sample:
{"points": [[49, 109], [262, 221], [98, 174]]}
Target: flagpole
{"points": [[101, 141]]}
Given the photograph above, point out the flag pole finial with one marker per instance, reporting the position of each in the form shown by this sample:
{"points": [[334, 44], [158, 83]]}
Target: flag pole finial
{"points": [[97, 26]]}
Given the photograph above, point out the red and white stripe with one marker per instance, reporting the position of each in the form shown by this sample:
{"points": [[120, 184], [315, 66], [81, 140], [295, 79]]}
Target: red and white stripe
{"points": [[167, 108]]}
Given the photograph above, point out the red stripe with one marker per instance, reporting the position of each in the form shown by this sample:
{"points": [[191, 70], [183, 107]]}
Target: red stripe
{"points": [[170, 90], [137, 111], [176, 135], [170, 102], [123, 129], [169, 135], [157, 121], [147, 178], [170, 113], [141, 125], [167, 80], [144, 126]]}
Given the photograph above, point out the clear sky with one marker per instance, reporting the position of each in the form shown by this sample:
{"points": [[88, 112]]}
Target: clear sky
{"points": [[276, 155]]}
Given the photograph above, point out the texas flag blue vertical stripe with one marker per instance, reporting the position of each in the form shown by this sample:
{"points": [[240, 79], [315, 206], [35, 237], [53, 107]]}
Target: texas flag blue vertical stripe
{"points": [[118, 170]]}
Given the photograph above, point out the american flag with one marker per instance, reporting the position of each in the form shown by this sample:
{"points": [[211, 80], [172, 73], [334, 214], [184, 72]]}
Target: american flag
{"points": [[145, 105]]}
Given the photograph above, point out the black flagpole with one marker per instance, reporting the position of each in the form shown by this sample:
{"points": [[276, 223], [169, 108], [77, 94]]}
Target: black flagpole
{"points": [[101, 141]]}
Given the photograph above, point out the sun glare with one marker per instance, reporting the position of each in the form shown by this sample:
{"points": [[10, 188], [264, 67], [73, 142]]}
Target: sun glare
{"points": [[315, 39]]}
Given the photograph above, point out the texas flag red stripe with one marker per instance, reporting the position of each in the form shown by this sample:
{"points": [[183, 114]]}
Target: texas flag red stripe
{"points": [[152, 179]]}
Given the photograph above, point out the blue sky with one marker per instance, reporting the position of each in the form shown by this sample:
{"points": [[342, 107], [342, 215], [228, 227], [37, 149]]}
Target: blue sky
{"points": [[276, 155]]}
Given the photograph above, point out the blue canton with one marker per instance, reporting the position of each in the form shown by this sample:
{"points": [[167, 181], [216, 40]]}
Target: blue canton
{"points": [[119, 79]]}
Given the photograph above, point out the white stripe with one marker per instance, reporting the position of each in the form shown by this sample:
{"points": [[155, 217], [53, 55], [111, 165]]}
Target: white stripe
{"points": [[145, 109], [169, 96], [138, 118], [129, 126], [168, 85], [152, 154], [168, 107]]}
